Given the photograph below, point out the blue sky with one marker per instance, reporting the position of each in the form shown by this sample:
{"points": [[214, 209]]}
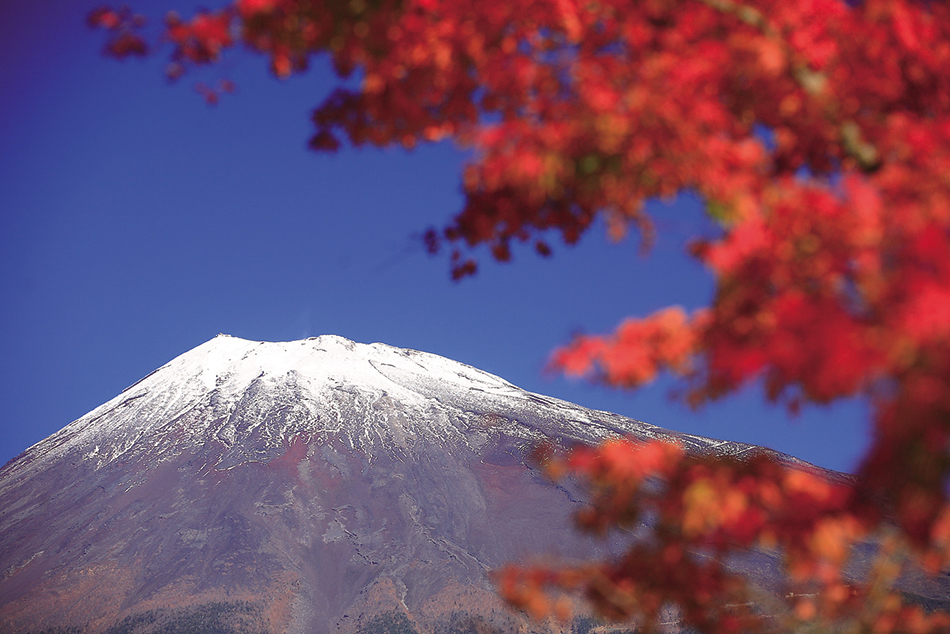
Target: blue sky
{"points": [[136, 223]]}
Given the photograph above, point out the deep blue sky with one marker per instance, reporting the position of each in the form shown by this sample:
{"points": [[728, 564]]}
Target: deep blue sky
{"points": [[137, 223]]}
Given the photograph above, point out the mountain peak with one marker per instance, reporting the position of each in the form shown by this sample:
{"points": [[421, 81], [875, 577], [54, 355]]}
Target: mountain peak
{"points": [[253, 398], [323, 358]]}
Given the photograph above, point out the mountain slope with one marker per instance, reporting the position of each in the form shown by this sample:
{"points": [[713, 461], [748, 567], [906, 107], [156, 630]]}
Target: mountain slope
{"points": [[307, 486]]}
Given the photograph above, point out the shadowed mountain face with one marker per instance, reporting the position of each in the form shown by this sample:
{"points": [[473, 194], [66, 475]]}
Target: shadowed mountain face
{"points": [[304, 487]]}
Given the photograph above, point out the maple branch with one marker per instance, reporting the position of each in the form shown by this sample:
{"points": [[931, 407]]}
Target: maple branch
{"points": [[857, 147]]}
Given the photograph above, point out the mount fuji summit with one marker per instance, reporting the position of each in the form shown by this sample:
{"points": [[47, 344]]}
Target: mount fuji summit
{"points": [[302, 487]]}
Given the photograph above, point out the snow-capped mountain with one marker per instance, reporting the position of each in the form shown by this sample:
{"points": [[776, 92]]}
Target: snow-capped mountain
{"points": [[254, 397], [307, 486]]}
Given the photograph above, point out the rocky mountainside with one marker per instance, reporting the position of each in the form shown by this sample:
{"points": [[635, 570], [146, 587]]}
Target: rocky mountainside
{"points": [[304, 487]]}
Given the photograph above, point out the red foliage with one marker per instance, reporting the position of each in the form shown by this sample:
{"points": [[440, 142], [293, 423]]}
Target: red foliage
{"points": [[700, 510], [122, 25], [818, 134], [201, 39]]}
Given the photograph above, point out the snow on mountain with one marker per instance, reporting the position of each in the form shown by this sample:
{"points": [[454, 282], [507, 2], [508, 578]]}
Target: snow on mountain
{"points": [[254, 397]]}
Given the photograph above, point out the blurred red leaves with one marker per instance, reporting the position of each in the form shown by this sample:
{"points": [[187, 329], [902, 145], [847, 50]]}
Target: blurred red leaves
{"points": [[637, 351], [201, 39], [702, 512], [122, 26], [212, 94], [818, 135]]}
